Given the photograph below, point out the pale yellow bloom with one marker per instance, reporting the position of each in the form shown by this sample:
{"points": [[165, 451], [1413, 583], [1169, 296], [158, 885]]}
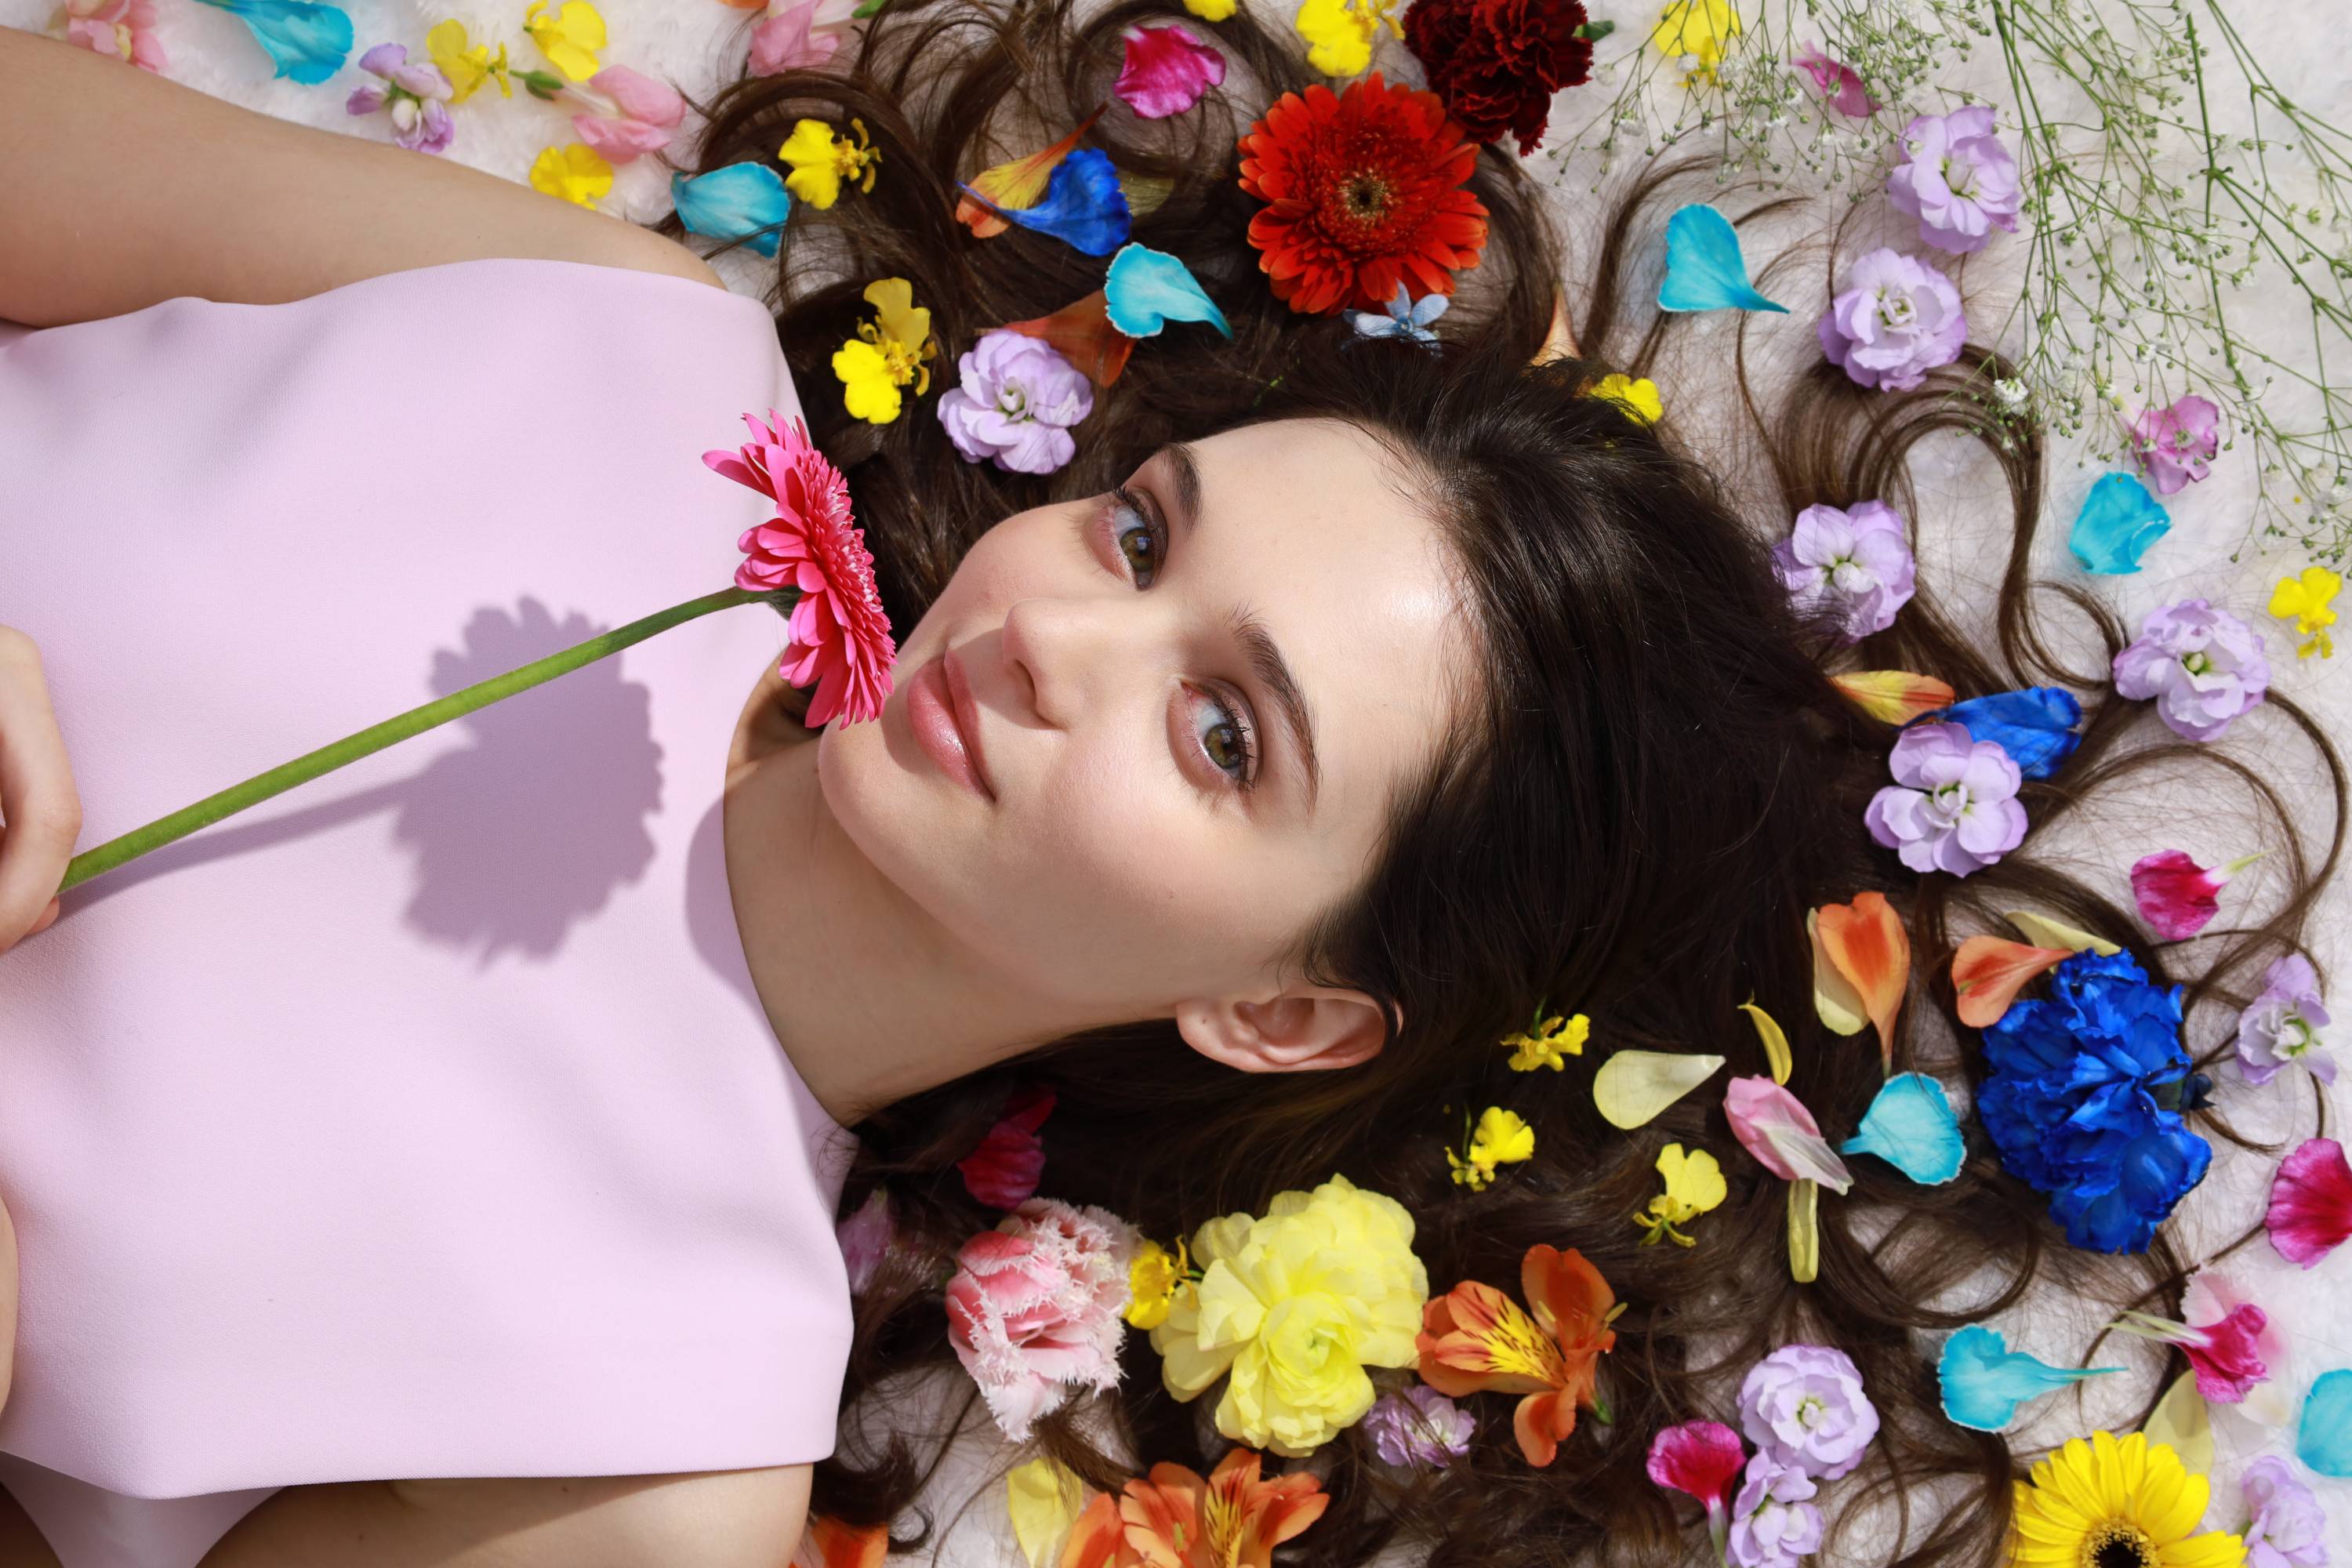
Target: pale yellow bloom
{"points": [[1290, 1309], [1153, 1282], [569, 39], [468, 68], [821, 162], [1694, 1186], [1502, 1139], [2307, 600], [1553, 1042], [1695, 32], [576, 171], [1639, 399], [887, 353], [1340, 33]]}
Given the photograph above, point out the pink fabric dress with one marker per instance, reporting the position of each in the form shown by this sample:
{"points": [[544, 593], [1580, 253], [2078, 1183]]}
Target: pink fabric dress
{"points": [[423, 1121]]}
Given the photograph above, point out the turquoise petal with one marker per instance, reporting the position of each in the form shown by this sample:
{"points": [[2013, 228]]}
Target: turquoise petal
{"points": [[1911, 1127], [309, 42], [1703, 270], [2324, 1440], [742, 201], [2119, 522], [1984, 1381], [1147, 289]]}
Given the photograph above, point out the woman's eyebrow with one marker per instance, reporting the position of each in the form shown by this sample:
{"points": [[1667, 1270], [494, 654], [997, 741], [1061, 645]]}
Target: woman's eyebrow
{"points": [[1274, 671], [1187, 471]]}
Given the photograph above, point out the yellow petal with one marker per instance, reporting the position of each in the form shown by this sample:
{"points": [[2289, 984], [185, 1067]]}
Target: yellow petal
{"points": [[1633, 1087], [1804, 1231], [1693, 1180], [1839, 1005], [1043, 1498], [2043, 932], [2183, 1423], [1211, 10], [1776, 1044]]}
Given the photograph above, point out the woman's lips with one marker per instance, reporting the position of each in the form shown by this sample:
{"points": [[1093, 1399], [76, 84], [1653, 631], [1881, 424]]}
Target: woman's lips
{"points": [[946, 723]]}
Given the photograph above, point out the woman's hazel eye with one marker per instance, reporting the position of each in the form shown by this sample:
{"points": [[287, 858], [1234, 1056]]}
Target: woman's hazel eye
{"points": [[1138, 538], [1224, 736], [1224, 744]]}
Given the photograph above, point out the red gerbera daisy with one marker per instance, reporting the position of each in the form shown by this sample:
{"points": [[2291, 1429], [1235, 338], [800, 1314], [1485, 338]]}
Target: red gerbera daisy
{"points": [[1364, 193], [841, 637]]}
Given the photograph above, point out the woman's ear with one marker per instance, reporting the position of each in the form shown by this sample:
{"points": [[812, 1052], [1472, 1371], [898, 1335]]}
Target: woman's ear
{"points": [[1307, 1030]]}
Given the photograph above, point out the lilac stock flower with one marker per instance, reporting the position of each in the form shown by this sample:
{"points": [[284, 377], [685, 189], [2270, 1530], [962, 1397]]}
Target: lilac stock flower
{"points": [[1956, 179], [1803, 1406], [2288, 1528], [2175, 445], [1015, 403], [2204, 667], [1772, 1523], [1953, 805], [1419, 1427], [1840, 87], [418, 96], [2282, 1026], [1855, 563], [1897, 320]]}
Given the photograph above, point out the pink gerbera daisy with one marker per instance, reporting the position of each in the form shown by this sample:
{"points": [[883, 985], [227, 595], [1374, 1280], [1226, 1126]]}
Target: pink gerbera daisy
{"points": [[841, 637]]}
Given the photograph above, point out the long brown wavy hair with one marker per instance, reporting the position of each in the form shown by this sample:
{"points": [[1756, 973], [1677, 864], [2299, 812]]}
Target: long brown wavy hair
{"points": [[1632, 820]]}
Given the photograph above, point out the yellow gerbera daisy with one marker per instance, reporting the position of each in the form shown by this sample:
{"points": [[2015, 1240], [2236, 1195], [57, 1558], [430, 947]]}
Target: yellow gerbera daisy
{"points": [[2116, 1503]]}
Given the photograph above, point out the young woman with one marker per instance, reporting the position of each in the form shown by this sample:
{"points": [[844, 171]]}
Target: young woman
{"points": [[461, 1192]]}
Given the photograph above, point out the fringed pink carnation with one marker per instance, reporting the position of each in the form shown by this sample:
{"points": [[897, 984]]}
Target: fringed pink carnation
{"points": [[841, 637], [1033, 1308]]}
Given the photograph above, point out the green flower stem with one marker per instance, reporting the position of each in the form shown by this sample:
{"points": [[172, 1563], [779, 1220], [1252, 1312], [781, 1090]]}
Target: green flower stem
{"points": [[415, 722]]}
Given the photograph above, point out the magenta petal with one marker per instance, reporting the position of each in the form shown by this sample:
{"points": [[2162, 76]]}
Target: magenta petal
{"points": [[1166, 71], [1775, 1127], [1698, 1458], [2311, 1201], [2176, 894], [2227, 1356]]}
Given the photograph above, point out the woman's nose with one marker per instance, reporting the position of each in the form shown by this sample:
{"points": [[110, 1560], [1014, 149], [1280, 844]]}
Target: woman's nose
{"points": [[1056, 652]]}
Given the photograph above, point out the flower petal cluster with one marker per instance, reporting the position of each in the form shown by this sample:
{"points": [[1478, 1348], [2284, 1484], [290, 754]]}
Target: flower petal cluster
{"points": [[1502, 1138], [801, 36], [1404, 318], [1496, 63], [1290, 1309], [1476, 1338], [1014, 404], [1773, 1520], [1154, 1279], [2127, 1492], [1854, 565], [467, 66], [1775, 1127], [1552, 1041], [1034, 1307], [1953, 806], [2310, 1213], [2082, 1101], [306, 40], [1419, 1428], [121, 29], [1896, 320], [2282, 1027], [1364, 191], [576, 172], [1804, 1406], [2175, 445], [1694, 34], [2286, 1527], [2203, 666], [822, 162], [1699, 1459], [1638, 398], [417, 94], [1956, 179]]}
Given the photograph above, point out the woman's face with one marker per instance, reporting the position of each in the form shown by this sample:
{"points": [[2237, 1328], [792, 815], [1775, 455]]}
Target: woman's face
{"points": [[1142, 741]]}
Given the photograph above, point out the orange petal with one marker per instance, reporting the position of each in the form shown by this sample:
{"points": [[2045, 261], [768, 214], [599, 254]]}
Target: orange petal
{"points": [[1988, 971], [829, 1544], [1865, 942], [1098, 1538], [1082, 333], [1018, 184], [1893, 696], [1539, 1423], [1571, 1299]]}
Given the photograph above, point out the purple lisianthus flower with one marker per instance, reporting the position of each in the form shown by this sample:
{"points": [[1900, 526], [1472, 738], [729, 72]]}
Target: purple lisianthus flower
{"points": [[1772, 1523], [2204, 667], [1803, 1406], [1953, 806], [1856, 562], [2288, 1528], [1015, 403], [418, 95], [1897, 320], [1840, 87], [2175, 445], [1956, 179], [2282, 1026], [1419, 1428]]}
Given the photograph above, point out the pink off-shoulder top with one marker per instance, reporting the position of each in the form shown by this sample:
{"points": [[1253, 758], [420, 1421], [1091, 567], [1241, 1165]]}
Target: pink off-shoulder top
{"points": [[422, 1121]]}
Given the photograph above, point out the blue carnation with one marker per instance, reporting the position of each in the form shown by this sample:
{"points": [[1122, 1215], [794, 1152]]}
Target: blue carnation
{"points": [[2036, 726], [2084, 1100]]}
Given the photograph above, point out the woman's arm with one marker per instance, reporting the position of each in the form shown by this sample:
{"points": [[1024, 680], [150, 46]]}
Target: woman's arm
{"points": [[119, 188]]}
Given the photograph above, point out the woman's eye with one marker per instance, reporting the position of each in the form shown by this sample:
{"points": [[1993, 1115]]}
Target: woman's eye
{"points": [[1139, 536], [1224, 735]]}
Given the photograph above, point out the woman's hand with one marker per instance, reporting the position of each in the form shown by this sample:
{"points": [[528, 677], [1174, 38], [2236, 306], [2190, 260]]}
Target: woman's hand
{"points": [[40, 813]]}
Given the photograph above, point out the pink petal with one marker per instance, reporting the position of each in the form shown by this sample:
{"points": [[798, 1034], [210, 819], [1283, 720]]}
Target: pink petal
{"points": [[1698, 1458], [1776, 1127], [1002, 1172], [1166, 71], [640, 97], [2227, 1355], [2311, 1201], [2176, 894], [621, 140]]}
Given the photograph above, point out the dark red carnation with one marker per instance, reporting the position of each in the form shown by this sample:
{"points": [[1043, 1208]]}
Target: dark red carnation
{"points": [[1496, 63]]}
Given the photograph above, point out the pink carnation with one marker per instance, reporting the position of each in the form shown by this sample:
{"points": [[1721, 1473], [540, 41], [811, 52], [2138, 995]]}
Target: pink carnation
{"points": [[1033, 1308], [2311, 1201], [840, 636]]}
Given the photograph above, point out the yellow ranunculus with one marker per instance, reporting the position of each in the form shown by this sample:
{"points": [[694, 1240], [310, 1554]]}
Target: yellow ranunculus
{"points": [[2306, 600], [1695, 32], [1502, 1139], [467, 68], [823, 162], [887, 353], [569, 39], [576, 171], [1153, 1281], [1340, 33], [1694, 1186], [1639, 399], [1291, 1309], [1555, 1040]]}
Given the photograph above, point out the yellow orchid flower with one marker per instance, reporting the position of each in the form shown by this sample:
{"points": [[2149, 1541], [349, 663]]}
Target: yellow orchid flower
{"points": [[569, 39], [823, 162], [1695, 32], [1553, 1042], [1639, 399], [468, 68], [2306, 600], [887, 353], [1211, 10], [1340, 33], [1694, 1186], [1501, 1138], [576, 172], [1153, 1282]]}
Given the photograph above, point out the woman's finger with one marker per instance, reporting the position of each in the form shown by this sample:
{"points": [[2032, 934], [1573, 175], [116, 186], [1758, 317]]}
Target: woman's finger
{"points": [[40, 810]]}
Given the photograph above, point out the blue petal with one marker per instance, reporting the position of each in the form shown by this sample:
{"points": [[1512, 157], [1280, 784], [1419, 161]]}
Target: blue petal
{"points": [[2036, 726], [1082, 206], [1911, 1127], [2119, 522], [1147, 289], [309, 41], [1984, 1381], [1703, 270], [741, 200], [2324, 1440]]}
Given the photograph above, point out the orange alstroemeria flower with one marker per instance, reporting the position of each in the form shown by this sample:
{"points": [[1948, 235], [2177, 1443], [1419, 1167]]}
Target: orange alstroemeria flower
{"points": [[1475, 1339], [1988, 971], [1174, 1519], [1866, 944], [829, 1544]]}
